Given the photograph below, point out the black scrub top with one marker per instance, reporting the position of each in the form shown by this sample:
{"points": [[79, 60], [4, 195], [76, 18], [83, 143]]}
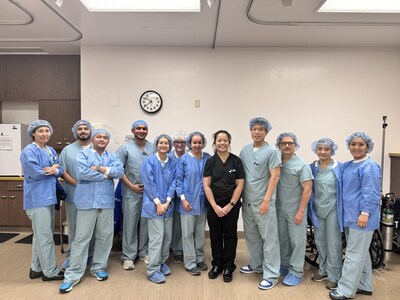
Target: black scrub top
{"points": [[223, 175]]}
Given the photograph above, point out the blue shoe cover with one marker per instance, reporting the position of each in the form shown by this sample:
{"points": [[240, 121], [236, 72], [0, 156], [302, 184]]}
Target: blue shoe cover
{"points": [[292, 280]]}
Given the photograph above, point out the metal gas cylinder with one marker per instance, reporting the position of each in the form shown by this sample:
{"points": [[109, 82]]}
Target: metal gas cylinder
{"points": [[388, 216]]}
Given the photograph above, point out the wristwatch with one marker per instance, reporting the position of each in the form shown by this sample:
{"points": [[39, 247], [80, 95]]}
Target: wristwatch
{"points": [[98, 168], [232, 203]]}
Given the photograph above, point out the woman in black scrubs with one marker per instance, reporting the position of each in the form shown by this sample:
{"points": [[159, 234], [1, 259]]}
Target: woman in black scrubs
{"points": [[223, 186]]}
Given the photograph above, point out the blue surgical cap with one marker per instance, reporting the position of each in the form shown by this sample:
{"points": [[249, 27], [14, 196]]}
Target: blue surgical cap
{"points": [[181, 135], [324, 141], [166, 136], [195, 133], [79, 123], [139, 122], [260, 121], [362, 135], [39, 123], [101, 130], [287, 134]]}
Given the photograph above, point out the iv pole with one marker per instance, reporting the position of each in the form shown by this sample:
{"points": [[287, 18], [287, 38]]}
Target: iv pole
{"points": [[384, 125]]}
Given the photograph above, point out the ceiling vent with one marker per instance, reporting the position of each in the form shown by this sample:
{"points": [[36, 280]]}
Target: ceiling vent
{"points": [[287, 2]]}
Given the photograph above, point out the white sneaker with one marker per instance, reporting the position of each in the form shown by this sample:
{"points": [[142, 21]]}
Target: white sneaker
{"points": [[266, 284], [145, 259], [128, 265]]}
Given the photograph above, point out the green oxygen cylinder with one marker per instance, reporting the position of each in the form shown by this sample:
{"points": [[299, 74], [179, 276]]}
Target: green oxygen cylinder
{"points": [[388, 216]]}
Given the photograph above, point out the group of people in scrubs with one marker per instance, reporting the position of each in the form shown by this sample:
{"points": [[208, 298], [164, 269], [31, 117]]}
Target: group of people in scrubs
{"points": [[281, 189], [274, 186], [360, 215], [277, 190], [345, 197], [94, 200], [90, 183]]}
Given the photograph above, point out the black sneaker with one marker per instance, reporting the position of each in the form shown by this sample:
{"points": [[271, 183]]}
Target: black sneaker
{"points": [[59, 276], [178, 258], [202, 266], [34, 274], [363, 292], [194, 271]]}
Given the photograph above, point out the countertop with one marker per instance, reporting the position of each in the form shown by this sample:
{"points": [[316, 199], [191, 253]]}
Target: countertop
{"points": [[3, 178], [19, 178]]}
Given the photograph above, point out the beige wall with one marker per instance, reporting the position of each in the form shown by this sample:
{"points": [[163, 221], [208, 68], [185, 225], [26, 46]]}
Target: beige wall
{"points": [[19, 112], [311, 92]]}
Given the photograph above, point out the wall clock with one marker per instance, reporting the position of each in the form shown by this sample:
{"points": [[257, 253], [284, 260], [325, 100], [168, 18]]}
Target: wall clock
{"points": [[151, 102]]}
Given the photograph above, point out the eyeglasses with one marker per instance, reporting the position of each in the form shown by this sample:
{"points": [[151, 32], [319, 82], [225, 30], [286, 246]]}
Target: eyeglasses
{"points": [[287, 143], [179, 142]]}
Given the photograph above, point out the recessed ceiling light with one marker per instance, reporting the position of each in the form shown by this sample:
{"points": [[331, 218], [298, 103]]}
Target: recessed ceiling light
{"points": [[361, 6], [142, 5]]}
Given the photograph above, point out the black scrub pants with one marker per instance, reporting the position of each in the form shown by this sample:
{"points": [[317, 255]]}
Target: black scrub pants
{"points": [[223, 236]]}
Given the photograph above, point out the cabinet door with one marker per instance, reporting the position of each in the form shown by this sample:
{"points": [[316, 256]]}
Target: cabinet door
{"points": [[4, 208], [62, 115], [12, 211], [72, 113], [16, 203], [15, 185], [52, 111], [3, 185], [395, 175]]}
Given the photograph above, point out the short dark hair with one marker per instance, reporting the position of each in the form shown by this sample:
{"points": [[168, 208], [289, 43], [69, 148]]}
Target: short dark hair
{"points": [[221, 131]]}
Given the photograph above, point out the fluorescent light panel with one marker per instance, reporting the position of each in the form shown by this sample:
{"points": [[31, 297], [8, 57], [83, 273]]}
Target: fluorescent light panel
{"points": [[361, 6], [142, 5]]}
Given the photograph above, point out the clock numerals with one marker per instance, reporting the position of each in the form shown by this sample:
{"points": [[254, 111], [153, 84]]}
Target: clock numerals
{"points": [[151, 102]]}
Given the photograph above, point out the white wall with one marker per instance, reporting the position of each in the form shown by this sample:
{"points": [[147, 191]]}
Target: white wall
{"points": [[311, 92], [19, 112]]}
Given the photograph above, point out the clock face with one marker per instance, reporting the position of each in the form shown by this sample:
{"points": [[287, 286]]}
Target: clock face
{"points": [[151, 102]]}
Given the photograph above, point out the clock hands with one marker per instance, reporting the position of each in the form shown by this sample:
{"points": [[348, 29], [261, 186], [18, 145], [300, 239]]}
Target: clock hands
{"points": [[150, 101]]}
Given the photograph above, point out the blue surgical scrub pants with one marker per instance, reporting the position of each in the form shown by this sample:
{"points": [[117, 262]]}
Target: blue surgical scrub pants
{"points": [[43, 247], [99, 222], [71, 219], [261, 234], [132, 208], [328, 239], [357, 269], [176, 243], [292, 240], [193, 236], [160, 234]]}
